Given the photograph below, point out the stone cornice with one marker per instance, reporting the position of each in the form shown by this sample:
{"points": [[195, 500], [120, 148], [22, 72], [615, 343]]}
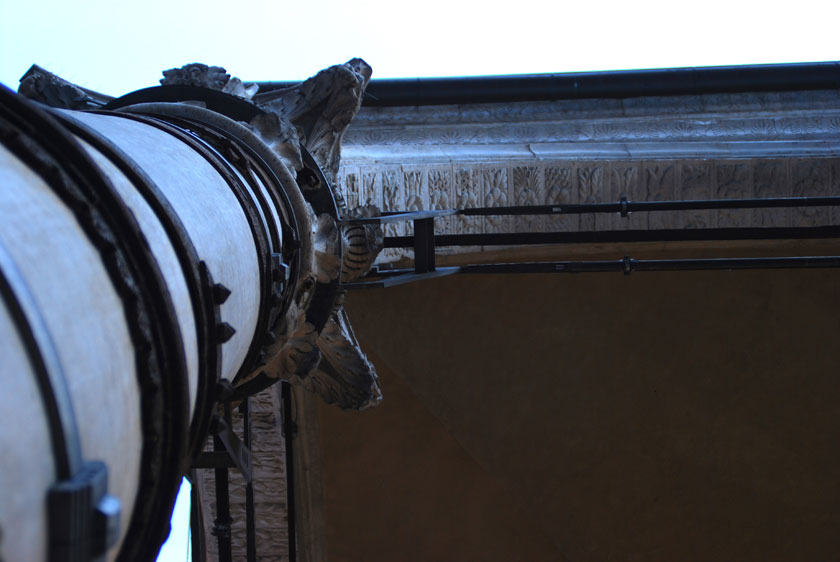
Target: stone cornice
{"points": [[715, 125]]}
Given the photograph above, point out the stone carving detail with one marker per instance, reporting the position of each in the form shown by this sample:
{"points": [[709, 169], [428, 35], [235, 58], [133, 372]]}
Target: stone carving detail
{"points": [[295, 352], [204, 76], [625, 183], [590, 190], [659, 182], [651, 124], [371, 188], [327, 248], [196, 74], [810, 178], [440, 196], [414, 200], [597, 150], [770, 180], [439, 187], [361, 244], [393, 199], [351, 190], [558, 183], [322, 108], [413, 190], [695, 183], [496, 195], [315, 114], [45, 87], [345, 377], [467, 195], [527, 192], [281, 136], [733, 182]]}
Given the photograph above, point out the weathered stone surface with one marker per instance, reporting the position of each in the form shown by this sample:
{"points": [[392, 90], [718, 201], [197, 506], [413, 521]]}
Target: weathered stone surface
{"points": [[322, 108], [577, 151], [43, 86]]}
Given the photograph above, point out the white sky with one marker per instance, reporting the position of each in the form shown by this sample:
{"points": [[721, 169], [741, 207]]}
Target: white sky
{"points": [[115, 47]]}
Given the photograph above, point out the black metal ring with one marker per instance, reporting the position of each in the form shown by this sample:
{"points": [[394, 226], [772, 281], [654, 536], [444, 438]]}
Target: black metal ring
{"points": [[226, 132], [51, 152], [239, 109], [201, 298], [278, 293], [247, 203], [321, 198], [236, 108]]}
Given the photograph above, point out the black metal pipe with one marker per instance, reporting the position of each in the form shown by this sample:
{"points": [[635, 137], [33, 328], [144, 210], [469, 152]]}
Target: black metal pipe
{"points": [[289, 431], [197, 538], [628, 265], [221, 528], [624, 236], [610, 84], [625, 206]]}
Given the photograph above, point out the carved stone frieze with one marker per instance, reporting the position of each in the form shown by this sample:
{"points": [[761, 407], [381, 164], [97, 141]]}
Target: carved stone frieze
{"points": [[590, 180], [733, 181], [597, 150], [468, 193], [441, 194], [771, 179], [624, 181], [695, 182], [496, 189], [528, 190], [810, 177]]}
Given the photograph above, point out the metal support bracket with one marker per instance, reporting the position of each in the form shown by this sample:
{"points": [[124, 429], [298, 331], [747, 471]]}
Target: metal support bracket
{"points": [[84, 520], [235, 453]]}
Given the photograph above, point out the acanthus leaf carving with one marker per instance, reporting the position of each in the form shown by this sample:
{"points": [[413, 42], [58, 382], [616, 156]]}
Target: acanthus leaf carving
{"points": [[205, 76], [345, 376], [295, 353], [322, 108], [43, 86]]}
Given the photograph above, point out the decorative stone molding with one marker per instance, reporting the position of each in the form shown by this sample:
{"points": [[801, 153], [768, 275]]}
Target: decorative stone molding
{"points": [[598, 150], [714, 125]]}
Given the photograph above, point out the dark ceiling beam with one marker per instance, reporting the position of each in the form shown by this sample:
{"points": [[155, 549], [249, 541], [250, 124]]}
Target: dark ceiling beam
{"points": [[611, 84]]}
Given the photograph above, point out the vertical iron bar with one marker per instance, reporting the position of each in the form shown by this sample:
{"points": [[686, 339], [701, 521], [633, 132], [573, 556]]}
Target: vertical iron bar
{"points": [[222, 526], [196, 523], [223, 521], [250, 524], [289, 431], [424, 245]]}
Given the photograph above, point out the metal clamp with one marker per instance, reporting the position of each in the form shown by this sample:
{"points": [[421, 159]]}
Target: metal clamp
{"points": [[84, 520]]}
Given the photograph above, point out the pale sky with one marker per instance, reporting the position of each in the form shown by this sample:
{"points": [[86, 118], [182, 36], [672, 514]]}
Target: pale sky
{"points": [[115, 47]]}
